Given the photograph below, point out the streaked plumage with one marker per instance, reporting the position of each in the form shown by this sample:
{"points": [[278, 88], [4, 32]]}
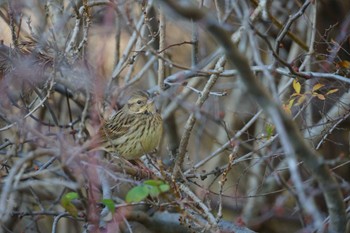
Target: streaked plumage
{"points": [[135, 129]]}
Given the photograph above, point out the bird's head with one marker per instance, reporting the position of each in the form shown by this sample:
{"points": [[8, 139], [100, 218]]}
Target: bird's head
{"points": [[141, 103]]}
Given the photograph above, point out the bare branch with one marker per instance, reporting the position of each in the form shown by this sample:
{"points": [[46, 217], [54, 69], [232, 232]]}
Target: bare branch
{"points": [[291, 139]]}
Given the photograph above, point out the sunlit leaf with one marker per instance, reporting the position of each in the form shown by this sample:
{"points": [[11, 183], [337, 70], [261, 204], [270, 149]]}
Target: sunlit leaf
{"points": [[317, 86], [296, 86], [332, 91], [137, 194]]}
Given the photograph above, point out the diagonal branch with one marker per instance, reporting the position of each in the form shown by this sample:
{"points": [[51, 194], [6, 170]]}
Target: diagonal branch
{"points": [[192, 118], [293, 143]]}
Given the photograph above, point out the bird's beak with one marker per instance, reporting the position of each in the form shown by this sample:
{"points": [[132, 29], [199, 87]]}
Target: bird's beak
{"points": [[152, 106], [150, 101]]}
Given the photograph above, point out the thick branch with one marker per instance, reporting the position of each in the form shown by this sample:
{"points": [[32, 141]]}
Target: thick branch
{"points": [[170, 222]]}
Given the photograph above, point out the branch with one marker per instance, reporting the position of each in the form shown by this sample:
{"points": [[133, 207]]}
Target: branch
{"points": [[192, 118], [121, 64], [7, 197], [170, 223], [292, 141], [161, 70], [289, 24]]}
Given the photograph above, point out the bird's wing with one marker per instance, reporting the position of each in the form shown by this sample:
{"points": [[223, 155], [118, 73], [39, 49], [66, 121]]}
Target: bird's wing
{"points": [[116, 126]]}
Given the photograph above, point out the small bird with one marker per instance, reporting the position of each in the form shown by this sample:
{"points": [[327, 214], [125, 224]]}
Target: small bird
{"points": [[134, 130]]}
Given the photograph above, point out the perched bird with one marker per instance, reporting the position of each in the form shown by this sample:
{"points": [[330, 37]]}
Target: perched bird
{"points": [[134, 130]]}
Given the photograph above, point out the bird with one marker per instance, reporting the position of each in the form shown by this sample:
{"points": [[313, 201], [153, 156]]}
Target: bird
{"points": [[134, 130]]}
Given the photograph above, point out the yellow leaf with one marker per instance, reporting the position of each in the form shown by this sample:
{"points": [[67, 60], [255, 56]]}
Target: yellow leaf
{"points": [[332, 91], [301, 100], [290, 103], [321, 97], [296, 86], [344, 64], [317, 86]]}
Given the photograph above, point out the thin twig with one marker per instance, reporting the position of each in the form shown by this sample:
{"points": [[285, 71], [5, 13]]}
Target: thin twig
{"points": [[192, 118], [55, 221], [12, 24], [209, 216], [6, 199], [121, 64], [289, 24], [162, 30], [324, 137], [291, 140]]}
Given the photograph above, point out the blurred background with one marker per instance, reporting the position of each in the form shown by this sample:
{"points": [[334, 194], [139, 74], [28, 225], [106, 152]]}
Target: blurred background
{"points": [[66, 66]]}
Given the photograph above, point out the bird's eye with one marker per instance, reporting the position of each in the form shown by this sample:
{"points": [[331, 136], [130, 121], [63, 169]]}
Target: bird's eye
{"points": [[139, 102]]}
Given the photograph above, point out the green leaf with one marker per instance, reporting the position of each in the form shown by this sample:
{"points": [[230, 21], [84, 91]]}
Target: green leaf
{"points": [[164, 188], [149, 187], [66, 203], [71, 209], [71, 196], [110, 204], [153, 191], [154, 182], [160, 187], [137, 194], [269, 128]]}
